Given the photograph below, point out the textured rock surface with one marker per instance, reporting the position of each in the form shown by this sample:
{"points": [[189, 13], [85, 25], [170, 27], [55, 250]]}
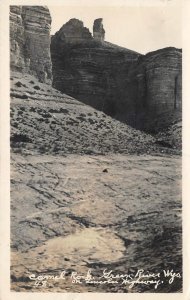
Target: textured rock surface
{"points": [[89, 192], [141, 90], [45, 121], [159, 86], [72, 32], [67, 214], [72, 211], [30, 41], [130, 87], [94, 71], [98, 30]]}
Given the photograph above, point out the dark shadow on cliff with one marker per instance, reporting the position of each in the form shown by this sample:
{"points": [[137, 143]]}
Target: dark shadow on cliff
{"points": [[143, 91]]}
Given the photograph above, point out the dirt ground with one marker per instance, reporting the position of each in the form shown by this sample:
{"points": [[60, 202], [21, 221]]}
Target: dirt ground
{"points": [[91, 213]]}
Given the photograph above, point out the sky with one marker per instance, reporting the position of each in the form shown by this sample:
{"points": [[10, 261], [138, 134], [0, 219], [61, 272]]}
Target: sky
{"points": [[138, 28]]}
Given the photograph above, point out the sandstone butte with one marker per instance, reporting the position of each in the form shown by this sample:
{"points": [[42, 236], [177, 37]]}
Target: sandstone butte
{"points": [[144, 91]]}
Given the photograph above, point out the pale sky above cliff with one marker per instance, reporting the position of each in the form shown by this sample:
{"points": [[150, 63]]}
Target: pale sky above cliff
{"points": [[142, 29]]}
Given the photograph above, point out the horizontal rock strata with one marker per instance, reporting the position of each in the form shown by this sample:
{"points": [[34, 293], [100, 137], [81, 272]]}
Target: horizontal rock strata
{"points": [[30, 41], [92, 70], [159, 86], [131, 87]]}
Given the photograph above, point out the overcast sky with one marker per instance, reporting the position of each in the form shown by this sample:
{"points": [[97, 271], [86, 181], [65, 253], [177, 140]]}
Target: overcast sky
{"points": [[142, 29]]}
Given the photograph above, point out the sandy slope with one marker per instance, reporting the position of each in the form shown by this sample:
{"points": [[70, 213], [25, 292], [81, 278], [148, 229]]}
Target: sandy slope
{"points": [[45, 121]]}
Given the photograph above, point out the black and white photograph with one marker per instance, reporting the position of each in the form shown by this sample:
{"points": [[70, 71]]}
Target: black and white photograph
{"points": [[96, 148]]}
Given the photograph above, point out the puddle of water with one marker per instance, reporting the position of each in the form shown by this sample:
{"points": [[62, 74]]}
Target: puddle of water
{"points": [[89, 244]]}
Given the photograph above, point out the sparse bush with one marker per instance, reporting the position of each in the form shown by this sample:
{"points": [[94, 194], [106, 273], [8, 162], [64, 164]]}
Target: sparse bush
{"points": [[32, 109], [36, 87], [46, 115], [20, 112], [14, 124], [65, 111], [91, 121], [81, 118], [52, 110], [41, 119], [18, 83], [22, 108], [20, 138], [82, 115]]}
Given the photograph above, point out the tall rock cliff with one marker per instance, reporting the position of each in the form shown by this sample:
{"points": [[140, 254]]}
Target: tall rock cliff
{"points": [[30, 41], [141, 90], [160, 74], [91, 69], [127, 85], [158, 77]]}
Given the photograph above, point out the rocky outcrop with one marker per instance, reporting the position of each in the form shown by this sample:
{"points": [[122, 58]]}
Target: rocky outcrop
{"points": [[30, 41], [161, 72], [141, 90], [92, 70], [98, 30], [129, 86], [159, 86], [72, 32]]}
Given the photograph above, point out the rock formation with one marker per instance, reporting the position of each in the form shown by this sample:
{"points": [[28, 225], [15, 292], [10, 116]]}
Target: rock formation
{"points": [[91, 69], [160, 74], [78, 179], [73, 32], [30, 41], [158, 78], [98, 30], [129, 86], [141, 90]]}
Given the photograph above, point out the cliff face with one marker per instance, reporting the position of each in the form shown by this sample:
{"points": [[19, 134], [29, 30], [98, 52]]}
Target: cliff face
{"points": [[161, 72], [130, 87], [30, 41], [158, 78], [91, 69], [141, 90]]}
